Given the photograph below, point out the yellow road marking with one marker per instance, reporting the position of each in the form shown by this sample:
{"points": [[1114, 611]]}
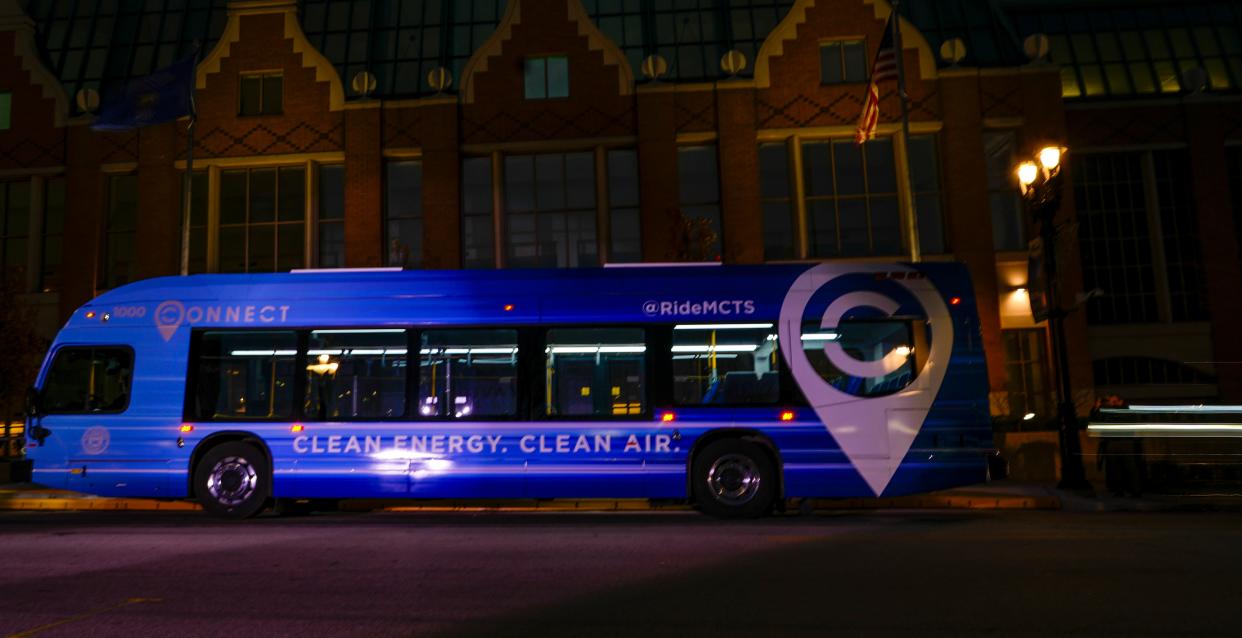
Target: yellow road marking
{"points": [[83, 616]]}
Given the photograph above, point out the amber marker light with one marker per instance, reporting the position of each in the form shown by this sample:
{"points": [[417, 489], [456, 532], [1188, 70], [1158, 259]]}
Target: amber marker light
{"points": [[90, 314], [297, 427], [186, 428], [668, 417], [787, 415], [508, 307], [955, 301]]}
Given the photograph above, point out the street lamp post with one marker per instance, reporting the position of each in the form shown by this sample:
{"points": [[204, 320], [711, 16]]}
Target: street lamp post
{"points": [[1042, 188]]}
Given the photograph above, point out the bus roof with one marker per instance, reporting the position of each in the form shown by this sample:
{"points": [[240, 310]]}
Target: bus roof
{"points": [[510, 296]]}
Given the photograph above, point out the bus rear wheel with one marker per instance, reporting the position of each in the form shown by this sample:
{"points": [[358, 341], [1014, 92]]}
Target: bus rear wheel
{"points": [[233, 480], [733, 478]]}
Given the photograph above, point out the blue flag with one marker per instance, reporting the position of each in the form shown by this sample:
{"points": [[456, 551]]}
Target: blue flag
{"points": [[160, 97]]}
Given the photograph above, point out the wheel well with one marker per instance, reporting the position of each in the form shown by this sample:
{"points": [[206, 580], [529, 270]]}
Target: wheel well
{"points": [[221, 438], [754, 436]]}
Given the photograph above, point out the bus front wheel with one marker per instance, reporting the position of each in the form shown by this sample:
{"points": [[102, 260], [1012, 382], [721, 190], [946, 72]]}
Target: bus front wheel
{"points": [[233, 480], [734, 478]]}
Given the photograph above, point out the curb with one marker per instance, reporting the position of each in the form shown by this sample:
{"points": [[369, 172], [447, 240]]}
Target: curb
{"points": [[26, 502]]}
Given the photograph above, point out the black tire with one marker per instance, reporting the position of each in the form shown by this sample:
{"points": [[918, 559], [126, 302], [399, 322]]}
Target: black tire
{"points": [[233, 480], [733, 478]]}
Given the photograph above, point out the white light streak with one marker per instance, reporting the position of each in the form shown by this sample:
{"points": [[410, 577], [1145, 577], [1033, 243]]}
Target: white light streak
{"points": [[724, 326]]}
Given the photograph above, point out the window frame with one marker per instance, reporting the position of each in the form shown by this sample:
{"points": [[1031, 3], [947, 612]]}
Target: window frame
{"points": [[842, 44], [55, 354], [262, 77], [544, 60]]}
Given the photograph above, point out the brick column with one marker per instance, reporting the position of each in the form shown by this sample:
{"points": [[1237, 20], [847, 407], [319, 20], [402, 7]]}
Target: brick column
{"points": [[968, 219], [441, 185], [1217, 240], [160, 204], [739, 174], [364, 167], [657, 169], [84, 194]]}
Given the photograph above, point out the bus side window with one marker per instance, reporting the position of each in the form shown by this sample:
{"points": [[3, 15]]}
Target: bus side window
{"points": [[891, 348], [244, 375], [465, 374], [88, 380], [595, 372], [352, 374], [726, 364]]}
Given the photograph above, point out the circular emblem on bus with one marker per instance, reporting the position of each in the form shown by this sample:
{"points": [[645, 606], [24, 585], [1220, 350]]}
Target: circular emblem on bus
{"points": [[95, 440], [168, 317], [869, 346]]}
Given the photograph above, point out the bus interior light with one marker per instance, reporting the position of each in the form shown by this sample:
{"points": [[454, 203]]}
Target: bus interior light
{"points": [[724, 326]]}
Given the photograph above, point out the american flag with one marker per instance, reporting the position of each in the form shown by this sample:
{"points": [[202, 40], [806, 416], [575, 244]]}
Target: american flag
{"points": [[884, 69]]}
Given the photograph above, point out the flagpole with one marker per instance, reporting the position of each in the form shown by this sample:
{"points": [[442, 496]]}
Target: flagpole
{"points": [[912, 220], [187, 204]]}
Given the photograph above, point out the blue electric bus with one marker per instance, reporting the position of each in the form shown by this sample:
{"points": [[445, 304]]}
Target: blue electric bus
{"points": [[731, 386]]}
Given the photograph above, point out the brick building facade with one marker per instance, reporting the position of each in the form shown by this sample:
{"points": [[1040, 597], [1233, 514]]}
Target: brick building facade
{"points": [[579, 132]]}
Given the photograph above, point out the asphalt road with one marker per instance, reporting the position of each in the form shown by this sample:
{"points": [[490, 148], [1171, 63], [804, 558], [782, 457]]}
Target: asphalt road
{"points": [[972, 573]]}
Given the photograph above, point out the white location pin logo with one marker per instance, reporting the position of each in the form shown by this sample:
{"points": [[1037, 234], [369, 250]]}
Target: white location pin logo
{"points": [[875, 433]]}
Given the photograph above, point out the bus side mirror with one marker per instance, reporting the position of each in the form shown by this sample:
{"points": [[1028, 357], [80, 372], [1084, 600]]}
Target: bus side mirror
{"points": [[34, 402]]}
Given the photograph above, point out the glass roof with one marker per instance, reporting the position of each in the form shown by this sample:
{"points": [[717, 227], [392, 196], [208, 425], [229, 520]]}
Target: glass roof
{"points": [[1109, 51], [100, 43]]}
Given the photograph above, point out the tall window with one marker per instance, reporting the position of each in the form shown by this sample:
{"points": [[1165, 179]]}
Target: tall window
{"points": [[14, 227], [403, 209], [843, 62], [550, 210], [547, 77], [331, 216], [261, 94], [120, 226], [1179, 229], [478, 249], [852, 205], [1133, 208], [925, 187], [780, 238], [53, 234], [6, 110], [1008, 222], [263, 219], [851, 192], [699, 177], [198, 221], [625, 231], [1026, 371]]}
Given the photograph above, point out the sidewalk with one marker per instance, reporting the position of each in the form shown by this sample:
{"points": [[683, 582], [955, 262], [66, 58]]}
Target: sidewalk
{"points": [[999, 495]]}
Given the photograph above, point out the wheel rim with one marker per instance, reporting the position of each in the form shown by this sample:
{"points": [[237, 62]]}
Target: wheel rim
{"points": [[233, 480], [734, 479]]}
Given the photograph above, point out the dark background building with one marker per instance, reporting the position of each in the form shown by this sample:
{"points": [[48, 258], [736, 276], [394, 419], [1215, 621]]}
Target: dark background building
{"points": [[573, 133]]}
